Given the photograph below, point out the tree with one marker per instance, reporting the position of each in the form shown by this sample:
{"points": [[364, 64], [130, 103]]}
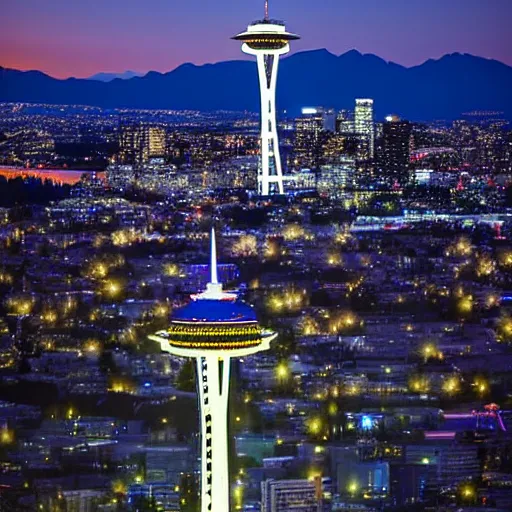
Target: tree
{"points": [[245, 247], [106, 362], [24, 366], [285, 343], [143, 504], [186, 380], [189, 493]]}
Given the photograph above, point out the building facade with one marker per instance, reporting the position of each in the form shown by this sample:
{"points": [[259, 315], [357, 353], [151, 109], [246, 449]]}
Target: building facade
{"points": [[395, 152], [291, 496], [364, 128]]}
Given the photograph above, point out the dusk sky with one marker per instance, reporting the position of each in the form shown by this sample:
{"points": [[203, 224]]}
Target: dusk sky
{"points": [[82, 37]]}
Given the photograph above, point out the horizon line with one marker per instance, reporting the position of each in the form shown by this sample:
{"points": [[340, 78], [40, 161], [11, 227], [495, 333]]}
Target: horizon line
{"points": [[292, 54]]}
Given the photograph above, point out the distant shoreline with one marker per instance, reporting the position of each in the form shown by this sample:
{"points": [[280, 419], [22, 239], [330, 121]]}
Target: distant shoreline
{"points": [[61, 176]]}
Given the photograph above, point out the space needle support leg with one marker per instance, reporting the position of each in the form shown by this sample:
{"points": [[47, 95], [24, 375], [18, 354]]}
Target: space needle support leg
{"points": [[273, 121], [266, 107]]}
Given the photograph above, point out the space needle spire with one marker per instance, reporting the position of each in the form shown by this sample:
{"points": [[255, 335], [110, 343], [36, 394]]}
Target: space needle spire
{"points": [[213, 259], [268, 39], [214, 289]]}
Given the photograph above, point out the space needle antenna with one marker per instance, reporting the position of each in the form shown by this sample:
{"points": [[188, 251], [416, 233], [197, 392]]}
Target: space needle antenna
{"points": [[266, 10]]}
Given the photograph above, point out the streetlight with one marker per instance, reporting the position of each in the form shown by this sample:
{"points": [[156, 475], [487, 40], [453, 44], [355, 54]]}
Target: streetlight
{"points": [[353, 487], [282, 372]]}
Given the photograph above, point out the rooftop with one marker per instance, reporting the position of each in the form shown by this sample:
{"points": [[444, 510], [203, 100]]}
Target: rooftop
{"points": [[267, 22], [212, 311]]}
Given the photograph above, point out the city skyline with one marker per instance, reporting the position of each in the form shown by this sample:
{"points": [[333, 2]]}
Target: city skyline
{"points": [[347, 343], [72, 40]]}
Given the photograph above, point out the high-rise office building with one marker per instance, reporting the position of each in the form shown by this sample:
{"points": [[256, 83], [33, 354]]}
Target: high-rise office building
{"points": [[156, 142], [329, 116], [268, 39], [449, 463], [345, 122], [336, 178], [291, 495], [166, 463], [212, 329], [395, 151], [364, 128], [309, 137], [139, 143]]}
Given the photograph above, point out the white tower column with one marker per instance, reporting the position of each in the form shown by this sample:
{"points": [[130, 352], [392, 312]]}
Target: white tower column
{"points": [[213, 384], [270, 176]]}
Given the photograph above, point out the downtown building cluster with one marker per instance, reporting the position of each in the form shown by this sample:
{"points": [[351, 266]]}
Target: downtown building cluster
{"points": [[376, 394]]}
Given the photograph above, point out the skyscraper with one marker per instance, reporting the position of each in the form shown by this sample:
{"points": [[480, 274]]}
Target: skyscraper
{"points": [[345, 122], [394, 160], [214, 328], [309, 131], [138, 143], [364, 128], [267, 39]]}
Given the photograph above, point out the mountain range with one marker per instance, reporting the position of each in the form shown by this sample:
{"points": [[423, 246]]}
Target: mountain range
{"points": [[108, 77], [437, 89]]}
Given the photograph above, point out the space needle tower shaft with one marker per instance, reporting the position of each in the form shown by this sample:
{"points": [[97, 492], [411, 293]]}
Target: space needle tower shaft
{"points": [[214, 328], [267, 40]]}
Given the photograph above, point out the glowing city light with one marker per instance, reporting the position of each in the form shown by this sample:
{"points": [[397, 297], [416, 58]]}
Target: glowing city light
{"points": [[49, 316], [289, 300], [271, 249], [293, 232], [112, 288], [481, 385], [6, 436], [366, 423], [161, 310], [430, 350], [451, 385], [334, 259], [419, 384], [20, 306], [461, 248], [246, 246], [172, 270], [315, 426], [486, 266], [353, 488], [310, 326], [343, 321], [465, 304], [504, 329], [283, 371]]}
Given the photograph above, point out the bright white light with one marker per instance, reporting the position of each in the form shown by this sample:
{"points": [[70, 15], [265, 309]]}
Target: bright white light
{"points": [[309, 110]]}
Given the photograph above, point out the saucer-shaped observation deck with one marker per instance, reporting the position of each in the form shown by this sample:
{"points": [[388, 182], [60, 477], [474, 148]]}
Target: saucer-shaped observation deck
{"points": [[266, 35]]}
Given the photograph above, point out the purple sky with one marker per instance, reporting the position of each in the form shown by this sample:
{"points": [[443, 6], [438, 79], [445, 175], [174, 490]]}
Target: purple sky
{"points": [[82, 37]]}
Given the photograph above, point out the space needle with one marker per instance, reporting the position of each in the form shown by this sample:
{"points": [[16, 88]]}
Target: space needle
{"points": [[214, 328], [267, 39]]}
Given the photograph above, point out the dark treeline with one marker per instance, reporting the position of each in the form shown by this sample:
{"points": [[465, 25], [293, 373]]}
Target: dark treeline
{"points": [[24, 191], [91, 149]]}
